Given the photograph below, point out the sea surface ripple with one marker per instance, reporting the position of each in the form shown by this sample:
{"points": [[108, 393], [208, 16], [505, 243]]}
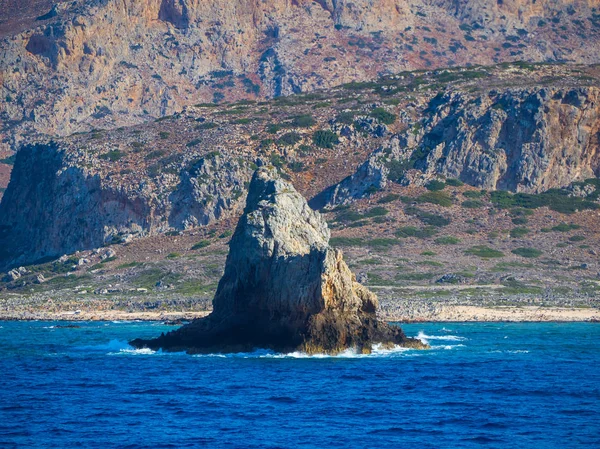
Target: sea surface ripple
{"points": [[493, 385]]}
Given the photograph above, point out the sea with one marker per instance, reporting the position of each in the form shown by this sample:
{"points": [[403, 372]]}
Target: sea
{"points": [[493, 385]]}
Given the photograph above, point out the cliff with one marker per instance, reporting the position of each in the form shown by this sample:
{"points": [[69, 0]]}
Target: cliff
{"points": [[521, 140], [524, 128], [284, 287], [80, 65], [60, 202]]}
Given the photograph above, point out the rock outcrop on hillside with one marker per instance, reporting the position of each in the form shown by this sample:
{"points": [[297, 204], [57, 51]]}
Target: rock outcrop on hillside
{"points": [[59, 202], [284, 288], [521, 140], [103, 64]]}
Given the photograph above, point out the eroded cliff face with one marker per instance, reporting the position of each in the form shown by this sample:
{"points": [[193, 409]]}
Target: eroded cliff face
{"points": [[192, 169], [60, 202], [521, 140], [284, 287], [105, 64]]}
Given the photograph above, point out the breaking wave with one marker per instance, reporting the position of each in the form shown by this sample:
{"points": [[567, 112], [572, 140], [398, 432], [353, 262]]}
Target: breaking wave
{"points": [[426, 338]]}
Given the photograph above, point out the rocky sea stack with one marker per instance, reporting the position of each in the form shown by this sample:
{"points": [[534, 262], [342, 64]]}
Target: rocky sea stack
{"points": [[284, 288]]}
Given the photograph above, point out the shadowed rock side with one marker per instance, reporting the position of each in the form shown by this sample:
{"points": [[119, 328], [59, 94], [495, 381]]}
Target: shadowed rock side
{"points": [[284, 287]]}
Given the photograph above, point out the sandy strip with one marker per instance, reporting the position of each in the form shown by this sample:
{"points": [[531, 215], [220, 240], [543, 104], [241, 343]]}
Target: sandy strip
{"points": [[439, 314], [496, 314]]}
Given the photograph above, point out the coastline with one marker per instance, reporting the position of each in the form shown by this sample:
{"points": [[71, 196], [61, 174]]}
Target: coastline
{"points": [[440, 314], [498, 314]]}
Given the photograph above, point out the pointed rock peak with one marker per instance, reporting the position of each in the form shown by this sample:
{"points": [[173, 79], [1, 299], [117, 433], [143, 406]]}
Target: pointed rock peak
{"points": [[284, 287]]}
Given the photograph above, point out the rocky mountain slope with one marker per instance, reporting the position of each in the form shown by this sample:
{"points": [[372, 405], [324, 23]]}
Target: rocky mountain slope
{"points": [[284, 287], [74, 66], [191, 169]]}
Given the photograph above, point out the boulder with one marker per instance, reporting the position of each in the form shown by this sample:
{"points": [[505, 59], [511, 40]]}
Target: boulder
{"points": [[284, 288]]}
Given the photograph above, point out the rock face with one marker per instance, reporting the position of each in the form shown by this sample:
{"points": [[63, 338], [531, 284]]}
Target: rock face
{"points": [[87, 64], [58, 203], [521, 140], [284, 287]]}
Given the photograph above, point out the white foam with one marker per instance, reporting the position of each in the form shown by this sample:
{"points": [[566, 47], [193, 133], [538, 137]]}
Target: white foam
{"points": [[447, 347], [133, 351], [510, 351], [425, 338], [378, 351]]}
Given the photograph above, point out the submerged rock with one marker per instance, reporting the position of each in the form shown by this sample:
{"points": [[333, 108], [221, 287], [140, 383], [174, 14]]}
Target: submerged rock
{"points": [[284, 287]]}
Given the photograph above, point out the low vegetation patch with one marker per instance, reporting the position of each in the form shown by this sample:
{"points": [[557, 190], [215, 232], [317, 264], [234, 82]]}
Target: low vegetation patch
{"points": [[447, 240], [427, 217], [388, 198], [485, 252], [527, 252], [435, 185], [325, 139], [516, 233], [472, 204], [439, 198], [555, 199], [383, 116], [453, 182], [412, 231], [201, 244]]}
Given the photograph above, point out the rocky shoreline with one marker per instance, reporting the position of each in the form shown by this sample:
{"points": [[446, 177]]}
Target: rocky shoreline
{"points": [[445, 314]]}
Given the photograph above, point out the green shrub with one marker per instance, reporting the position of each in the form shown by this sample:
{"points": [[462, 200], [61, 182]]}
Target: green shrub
{"points": [[520, 220], [10, 160], [201, 244], [527, 252], [383, 116], [412, 231], [164, 135], [484, 252], [347, 118], [472, 204], [303, 121], [564, 227], [435, 185], [296, 166], [113, 156], [173, 255], [225, 234], [555, 199], [447, 240], [427, 253], [273, 128], [520, 212], [474, 193], [576, 238], [345, 241], [439, 198], [427, 217], [207, 125], [388, 198], [325, 139], [289, 139], [377, 211], [453, 182], [276, 160], [193, 143], [518, 232], [382, 243]]}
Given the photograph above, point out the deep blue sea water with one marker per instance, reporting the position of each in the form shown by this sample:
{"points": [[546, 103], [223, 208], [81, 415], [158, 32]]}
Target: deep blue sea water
{"points": [[481, 385]]}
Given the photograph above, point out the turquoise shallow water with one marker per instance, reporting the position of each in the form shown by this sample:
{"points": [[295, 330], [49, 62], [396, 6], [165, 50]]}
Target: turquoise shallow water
{"points": [[482, 385]]}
